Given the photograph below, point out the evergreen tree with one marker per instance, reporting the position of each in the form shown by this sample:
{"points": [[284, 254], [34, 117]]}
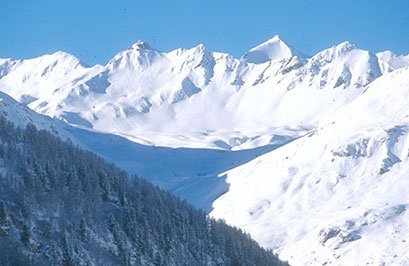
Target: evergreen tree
{"points": [[70, 207], [3, 213]]}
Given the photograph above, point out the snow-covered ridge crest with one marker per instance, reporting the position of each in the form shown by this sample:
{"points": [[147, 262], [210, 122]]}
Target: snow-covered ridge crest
{"points": [[390, 61], [146, 92], [271, 50], [138, 54], [334, 127], [337, 195]]}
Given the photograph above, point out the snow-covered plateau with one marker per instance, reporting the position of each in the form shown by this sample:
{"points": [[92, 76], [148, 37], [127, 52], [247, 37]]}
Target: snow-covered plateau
{"points": [[308, 154]]}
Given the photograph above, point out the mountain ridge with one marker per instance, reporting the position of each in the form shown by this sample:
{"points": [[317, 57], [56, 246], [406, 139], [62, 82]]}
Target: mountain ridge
{"points": [[338, 187], [304, 145], [141, 85]]}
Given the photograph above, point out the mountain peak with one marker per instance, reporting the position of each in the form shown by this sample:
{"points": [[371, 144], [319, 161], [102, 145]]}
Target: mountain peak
{"points": [[141, 44], [139, 53], [61, 57], [339, 50], [272, 49], [200, 49], [392, 61], [386, 54], [201, 46], [275, 38], [345, 46], [63, 54]]}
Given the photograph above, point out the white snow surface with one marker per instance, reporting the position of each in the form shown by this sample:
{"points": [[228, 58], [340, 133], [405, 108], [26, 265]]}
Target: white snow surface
{"points": [[390, 61], [271, 50], [195, 97], [338, 195], [194, 174], [331, 187]]}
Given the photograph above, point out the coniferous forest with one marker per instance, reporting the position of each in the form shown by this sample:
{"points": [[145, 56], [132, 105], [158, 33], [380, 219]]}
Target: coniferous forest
{"points": [[60, 205]]}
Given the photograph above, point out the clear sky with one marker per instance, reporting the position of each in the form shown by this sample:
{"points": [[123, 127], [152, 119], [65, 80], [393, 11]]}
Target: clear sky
{"points": [[95, 30]]}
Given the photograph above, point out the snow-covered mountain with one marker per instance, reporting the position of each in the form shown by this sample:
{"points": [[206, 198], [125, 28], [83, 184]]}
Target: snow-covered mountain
{"points": [[273, 49], [337, 195], [194, 174], [60, 205], [196, 97], [390, 61], [331, 188]]}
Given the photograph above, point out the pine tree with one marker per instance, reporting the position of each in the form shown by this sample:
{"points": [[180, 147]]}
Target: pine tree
{"points": [[76, 205], [83, 230], [26, 235], [3, 213]]}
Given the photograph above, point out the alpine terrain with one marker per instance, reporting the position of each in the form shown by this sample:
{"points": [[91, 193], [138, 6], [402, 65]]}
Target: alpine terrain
{"points": [[307, 154], [60, 205]]}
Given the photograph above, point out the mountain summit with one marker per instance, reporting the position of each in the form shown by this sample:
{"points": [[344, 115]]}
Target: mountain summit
{"points": [[273, 49], [333, 129], [144, 90]]}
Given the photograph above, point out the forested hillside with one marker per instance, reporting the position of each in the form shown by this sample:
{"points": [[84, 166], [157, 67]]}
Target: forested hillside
{"points": [[60, 205]]}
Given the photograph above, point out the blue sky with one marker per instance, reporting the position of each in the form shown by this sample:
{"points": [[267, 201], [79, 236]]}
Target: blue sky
{"points": [[95, 30]]}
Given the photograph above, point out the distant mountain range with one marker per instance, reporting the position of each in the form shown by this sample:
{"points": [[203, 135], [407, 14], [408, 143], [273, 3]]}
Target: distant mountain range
{"points": [[333, 128]]}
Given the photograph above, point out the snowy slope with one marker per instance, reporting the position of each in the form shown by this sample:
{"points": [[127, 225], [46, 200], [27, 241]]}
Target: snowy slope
{"points": [[339, 194], [390, 61], [20, 115], [195, 97], [331, 188], [194, 174], [271, 50]]}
